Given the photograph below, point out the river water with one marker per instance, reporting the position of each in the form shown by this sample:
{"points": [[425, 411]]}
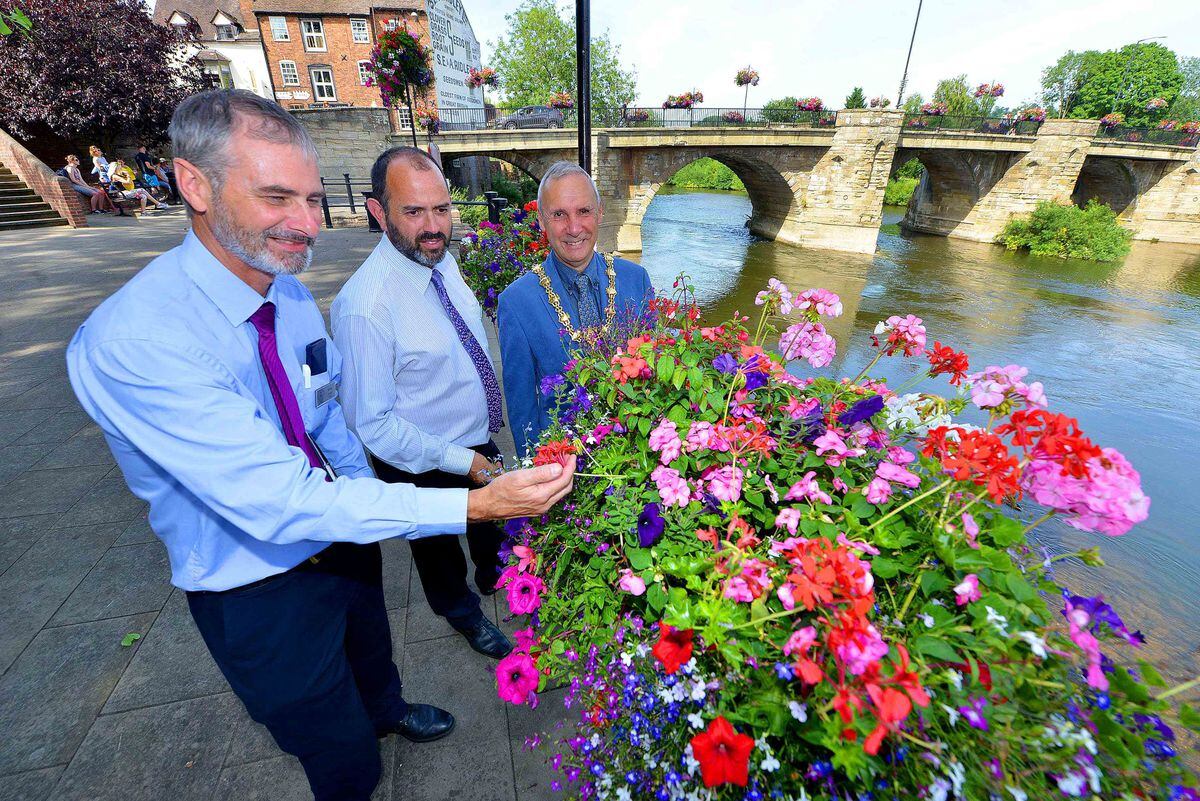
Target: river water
{"points": [[1113, 343]]}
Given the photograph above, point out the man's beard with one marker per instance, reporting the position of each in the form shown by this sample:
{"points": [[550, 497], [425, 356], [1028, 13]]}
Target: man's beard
{"points": [[253, 248], [411, 248]]}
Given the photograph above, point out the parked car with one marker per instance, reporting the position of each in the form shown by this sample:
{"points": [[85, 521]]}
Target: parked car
{"points": [[532, 117]]}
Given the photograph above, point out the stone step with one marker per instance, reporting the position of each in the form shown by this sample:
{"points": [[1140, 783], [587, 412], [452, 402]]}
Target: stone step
{"points": [[8, 206], [18, 216], [9, 180], [16, 192], [23, 224]]}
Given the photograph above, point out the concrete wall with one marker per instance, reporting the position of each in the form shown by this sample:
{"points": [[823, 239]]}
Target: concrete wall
{"points": [[347, 139]]}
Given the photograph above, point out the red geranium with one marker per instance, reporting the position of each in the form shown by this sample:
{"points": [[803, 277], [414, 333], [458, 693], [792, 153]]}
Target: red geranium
{"points": [[723, 754], [554, 452], [1052, 436], [944, 360], [976, 456], [674, 647]]}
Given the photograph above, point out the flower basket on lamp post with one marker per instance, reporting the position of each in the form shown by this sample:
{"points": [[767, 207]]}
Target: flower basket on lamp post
{"points": [[746, 77], [400, 67]]}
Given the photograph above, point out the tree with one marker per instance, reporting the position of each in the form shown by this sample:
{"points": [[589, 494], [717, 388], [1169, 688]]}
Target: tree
{"points": [[959, 97], [1126, 80], [1187, 105], [1060, 82], [856, 99], [94, 71], [913, 103], [781, 110], [537, 58]]}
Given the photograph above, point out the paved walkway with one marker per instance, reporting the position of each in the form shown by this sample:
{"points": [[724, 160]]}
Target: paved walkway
{"points": [[83, 717]]}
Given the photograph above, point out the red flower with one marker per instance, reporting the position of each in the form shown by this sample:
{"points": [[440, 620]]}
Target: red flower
{"points": [[674, 647], [1052, 436], [554, 452], [723, 754], [531, 206], [891, 707], [976, 456], [944, 360]]}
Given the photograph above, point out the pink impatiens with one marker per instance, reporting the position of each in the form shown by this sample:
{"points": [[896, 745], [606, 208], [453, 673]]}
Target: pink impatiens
{"points": [[665, 440], [672, 487], [967, 590]]}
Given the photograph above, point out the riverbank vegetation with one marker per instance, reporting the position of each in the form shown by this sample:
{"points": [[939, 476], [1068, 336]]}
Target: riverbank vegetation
{"points": [[707, 174], [1068, 231], [901, 186]]}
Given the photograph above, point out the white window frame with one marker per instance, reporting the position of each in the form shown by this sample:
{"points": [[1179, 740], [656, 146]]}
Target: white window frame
{"points": [[279, 29], [316, 87], [313, 29], [363, 72], [292, 79], [365, 30], [227, 29]]}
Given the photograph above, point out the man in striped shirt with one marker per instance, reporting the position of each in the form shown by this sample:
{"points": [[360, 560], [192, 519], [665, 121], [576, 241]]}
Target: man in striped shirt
{"points": [[418, 386]]}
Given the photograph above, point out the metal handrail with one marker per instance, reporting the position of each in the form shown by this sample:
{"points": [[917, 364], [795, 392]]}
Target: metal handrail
{"points": [[965, 124], [343, 197], [1152, 136], [476, 119]]}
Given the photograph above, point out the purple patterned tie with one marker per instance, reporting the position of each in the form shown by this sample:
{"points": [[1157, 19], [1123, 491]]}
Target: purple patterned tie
{"points": [[281, 387], [491, 387]]}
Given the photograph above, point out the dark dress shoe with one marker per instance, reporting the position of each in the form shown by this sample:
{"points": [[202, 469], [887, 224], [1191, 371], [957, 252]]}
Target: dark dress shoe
{"points": [[423, 723], [488, 640]]}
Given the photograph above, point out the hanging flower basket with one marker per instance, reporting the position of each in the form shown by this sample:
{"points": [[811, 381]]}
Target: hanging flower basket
{"points": [[685, 100], [429, 121], [990, 90], [1167, 125], [937, 109], [1156, 104], [1190, 127], [562, 101], [733, 116], [1112, 120], [810, 104], [746, 77], [484, 77], [880, 102], [1032, 115], [637, 115], [400, 60]]}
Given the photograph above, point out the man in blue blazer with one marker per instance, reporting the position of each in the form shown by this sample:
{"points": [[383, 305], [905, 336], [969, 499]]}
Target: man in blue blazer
{"points": [[543, 314]]}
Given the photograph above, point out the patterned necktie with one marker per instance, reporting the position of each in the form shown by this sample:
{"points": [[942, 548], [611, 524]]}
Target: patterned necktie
{"points": [[589, 315], [491, 387], [281, 387]]}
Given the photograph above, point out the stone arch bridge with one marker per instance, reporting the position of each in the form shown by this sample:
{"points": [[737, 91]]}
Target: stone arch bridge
{"points": [[824, 187]]}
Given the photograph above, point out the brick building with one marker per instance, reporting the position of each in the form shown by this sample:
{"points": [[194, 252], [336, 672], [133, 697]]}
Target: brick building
{"points": [[229, 47]]}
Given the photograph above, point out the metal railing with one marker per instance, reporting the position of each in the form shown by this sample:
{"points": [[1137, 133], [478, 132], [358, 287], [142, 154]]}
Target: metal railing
{"points": [[1152, 136], [476, 119], [340, 194], [984, 125]]}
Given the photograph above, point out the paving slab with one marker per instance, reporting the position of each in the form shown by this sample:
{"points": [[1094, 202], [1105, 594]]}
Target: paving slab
{"points": [[52, 694], [59, 426], [124, 582], [85, 448], [18, 534], [15, 459], [173, 751], [32, 785], [34, 587], [532, 735], [172, 662], [136, 533], [52, 392], [107, 501], [473, 763], [37, 492], [397, 570], [15, 423]]}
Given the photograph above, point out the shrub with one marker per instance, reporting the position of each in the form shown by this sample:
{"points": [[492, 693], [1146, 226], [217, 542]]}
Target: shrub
{"points": [[899, 191], [1067, 231], [471, 216], [518, 192], [494, 256], [781, 110], [707, 174]]}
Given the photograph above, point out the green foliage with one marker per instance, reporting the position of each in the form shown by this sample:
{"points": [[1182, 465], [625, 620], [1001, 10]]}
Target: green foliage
{"points": [[1069, 232], [910, 169], [518, 192], [471, 216], [781, 110], [856, 99], [707, 174], [14, 20], [899, 191], [912, 103], [536, 57], [1125, 80], [1060, 82], [1187, 105], [959, 97]]}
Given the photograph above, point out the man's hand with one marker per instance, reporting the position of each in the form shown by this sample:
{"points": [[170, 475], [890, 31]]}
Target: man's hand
{"points": [[521, 493], [482, 471]]}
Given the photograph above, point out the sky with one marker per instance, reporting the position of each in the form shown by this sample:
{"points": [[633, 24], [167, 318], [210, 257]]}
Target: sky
{"points": [[805, 48]]}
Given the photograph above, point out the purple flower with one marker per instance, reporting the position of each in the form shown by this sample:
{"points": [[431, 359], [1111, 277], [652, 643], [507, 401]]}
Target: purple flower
{"points": [[551, 383], [1100, 612], [862, 410], [650, 525], [973, 713], [755, 379], [812, 425], [725, 363]]}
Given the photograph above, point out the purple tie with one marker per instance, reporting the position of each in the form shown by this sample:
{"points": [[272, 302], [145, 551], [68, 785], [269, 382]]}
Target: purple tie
{"points": [[281, 387], [491, 388]]}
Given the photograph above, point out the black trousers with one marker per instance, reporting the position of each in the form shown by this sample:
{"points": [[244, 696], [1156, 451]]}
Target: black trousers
{"points": [[309, 652], [439, 560]]}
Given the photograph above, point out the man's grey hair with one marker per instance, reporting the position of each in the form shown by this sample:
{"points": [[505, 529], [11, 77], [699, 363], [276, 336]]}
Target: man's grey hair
{"points": [[203, 124], [561, 169]]}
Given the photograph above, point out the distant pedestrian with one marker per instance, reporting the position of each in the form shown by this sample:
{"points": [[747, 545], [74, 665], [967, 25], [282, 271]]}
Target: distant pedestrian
{"points": [[98, 199]]}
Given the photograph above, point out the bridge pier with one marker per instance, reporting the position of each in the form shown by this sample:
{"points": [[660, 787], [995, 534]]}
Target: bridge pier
{"points": [[1167, 204]]}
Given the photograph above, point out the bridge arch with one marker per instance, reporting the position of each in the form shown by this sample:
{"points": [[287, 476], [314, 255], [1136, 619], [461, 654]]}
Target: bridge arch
{"points": [[1111, 181], [951, 187]]}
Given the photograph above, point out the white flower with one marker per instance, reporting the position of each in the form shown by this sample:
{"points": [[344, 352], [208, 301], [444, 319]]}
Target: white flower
{"points": [[881, 328], [695, 721], [799, 711], [1036, 643], [1071, 785], [770, 764], [626, 659], [698, 691], [955, 678], [1017, 793], [998, 620], [928, 620], [951, 714], [689, 761], [957, 774], [939, 790], [623, 795]]}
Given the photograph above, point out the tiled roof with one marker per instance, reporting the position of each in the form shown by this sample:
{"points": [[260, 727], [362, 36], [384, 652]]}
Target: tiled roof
{"points": [[334, 7], [203, 11]]}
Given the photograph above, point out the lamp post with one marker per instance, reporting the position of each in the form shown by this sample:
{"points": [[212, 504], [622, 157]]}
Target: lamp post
{"points": [[908, 58], [583, 79], [1125, 74]]}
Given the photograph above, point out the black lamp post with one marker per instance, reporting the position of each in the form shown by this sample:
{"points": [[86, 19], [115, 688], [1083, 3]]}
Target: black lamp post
{"points": [[908, 58], [583, 80]]}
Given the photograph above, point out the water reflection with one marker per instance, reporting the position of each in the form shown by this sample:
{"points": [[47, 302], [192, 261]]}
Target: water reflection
{"points": [[1112, 342]]}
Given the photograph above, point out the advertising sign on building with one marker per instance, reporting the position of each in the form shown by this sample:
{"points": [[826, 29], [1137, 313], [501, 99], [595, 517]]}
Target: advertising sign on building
{"points": [[455, 51]]}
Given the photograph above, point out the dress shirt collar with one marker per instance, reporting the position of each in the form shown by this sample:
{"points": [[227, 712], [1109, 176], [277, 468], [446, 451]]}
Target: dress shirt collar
{"points": [[416, 274], [236, 299], [567, 274]]}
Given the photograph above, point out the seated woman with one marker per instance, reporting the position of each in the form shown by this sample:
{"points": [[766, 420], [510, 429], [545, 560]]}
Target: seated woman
{"points": [[99, 164], [122, 179], [97, 198]]}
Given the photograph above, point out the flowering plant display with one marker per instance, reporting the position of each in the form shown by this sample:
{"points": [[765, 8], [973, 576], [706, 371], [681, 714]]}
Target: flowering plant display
{"points": [[685, 100], [773, 586], [561, 100], [637, 115], [1154, 104], [746, 77], [937, 109], [880, 102], [495, 255], [1032, 115], [1112, 120], [733, 116], [1167, 125], [400, 60], [429, 120], [1190, 127], [483, 77], [810, 104], [917, 122], [990, 90]]}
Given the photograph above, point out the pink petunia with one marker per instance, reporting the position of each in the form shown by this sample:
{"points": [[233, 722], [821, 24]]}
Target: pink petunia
{"points": [[525, 594], [525, 640], [516, 678], [967, 590]]}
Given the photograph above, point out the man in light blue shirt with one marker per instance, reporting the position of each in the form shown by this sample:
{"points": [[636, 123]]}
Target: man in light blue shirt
{"points": [[215, 384]]}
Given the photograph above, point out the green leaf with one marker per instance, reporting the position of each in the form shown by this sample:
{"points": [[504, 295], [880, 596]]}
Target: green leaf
{"points": [[656, 596], [130, 638], [679, 377], [1132, 690], [4, 29], [639, 558], [884, 568], [1005, 530], [1150, 674], [665, 368], [861, 507], [1189, 717], [643, 426], [936, 648], [1020, 588]]}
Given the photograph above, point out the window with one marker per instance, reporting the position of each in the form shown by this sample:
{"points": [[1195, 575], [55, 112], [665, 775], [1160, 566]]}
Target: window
{"points": [[364, 72], [291, 77], [359, 31], [218, 75], [403, 118], [314, 34], [322, 81], [279, 29], [226, 33]]}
